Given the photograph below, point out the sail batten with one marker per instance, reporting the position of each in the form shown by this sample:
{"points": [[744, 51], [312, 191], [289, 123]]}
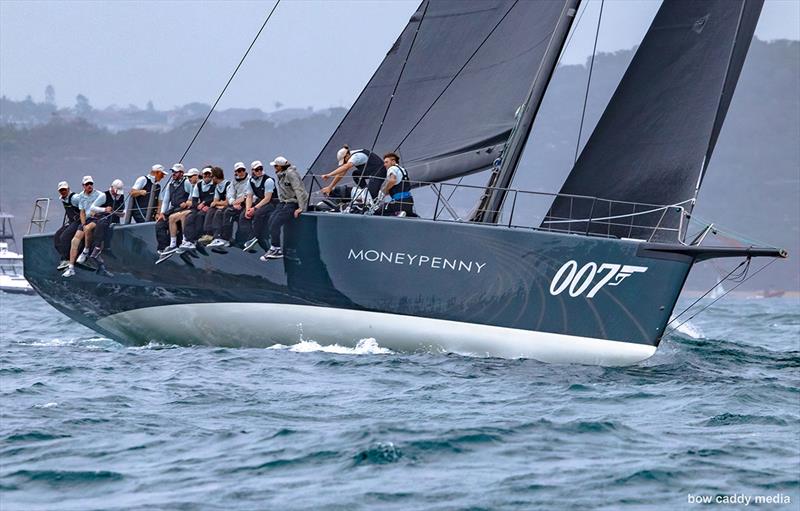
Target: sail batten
{"points": [[469, 69], [657, 134]]}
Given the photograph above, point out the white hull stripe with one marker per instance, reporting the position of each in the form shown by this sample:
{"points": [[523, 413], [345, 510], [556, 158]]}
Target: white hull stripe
{"points": [[243, 325]]}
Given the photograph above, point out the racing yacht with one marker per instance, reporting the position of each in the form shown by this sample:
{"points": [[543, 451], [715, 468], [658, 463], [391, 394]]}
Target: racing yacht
{"points": [[592, 280]]}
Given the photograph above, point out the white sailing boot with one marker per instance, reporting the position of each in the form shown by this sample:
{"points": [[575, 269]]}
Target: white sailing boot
{"points": [[250, 244], [82, 257]]}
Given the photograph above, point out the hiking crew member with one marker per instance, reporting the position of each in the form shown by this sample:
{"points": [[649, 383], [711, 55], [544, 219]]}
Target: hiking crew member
{"points": [[261, 201], [202, 195], [236, 202], [176, 198], [293, 201], [180, 216], [106, 210], [360, 201], [368, 170], [85, 201], [398, 187], [143, 188], [214, 216], [72, 220]]}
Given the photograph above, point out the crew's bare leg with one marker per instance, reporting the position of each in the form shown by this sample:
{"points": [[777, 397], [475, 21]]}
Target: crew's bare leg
{"points": [[88, 229], [74, 246], [173, 222]]}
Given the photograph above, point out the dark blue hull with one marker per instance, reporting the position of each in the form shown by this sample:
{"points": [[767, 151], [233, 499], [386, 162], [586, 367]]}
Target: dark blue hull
{"points": [[512, 287]]}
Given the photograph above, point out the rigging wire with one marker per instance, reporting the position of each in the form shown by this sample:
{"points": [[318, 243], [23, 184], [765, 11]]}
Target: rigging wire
{"points": [[588, 82], [572, 33], [394, 90], [399, 76], [730, 232], [707, 292], [452, 192], [741, 281], [229, 80], [457, 74]]}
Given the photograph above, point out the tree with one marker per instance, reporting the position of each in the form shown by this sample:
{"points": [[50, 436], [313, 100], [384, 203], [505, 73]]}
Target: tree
{"points": [[50, 95], [278, 105], [150, 106], [82, 106]]}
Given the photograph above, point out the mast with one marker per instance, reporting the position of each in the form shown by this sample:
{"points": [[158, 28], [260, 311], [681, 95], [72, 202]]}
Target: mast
{"points": [[488, 209]]}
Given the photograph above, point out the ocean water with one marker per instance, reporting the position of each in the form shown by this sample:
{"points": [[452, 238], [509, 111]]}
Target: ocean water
{"points": [[90, 424]]}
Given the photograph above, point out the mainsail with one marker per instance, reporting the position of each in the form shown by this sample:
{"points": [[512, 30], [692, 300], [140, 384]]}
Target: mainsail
{"points": [[656, 136], [459, 71]]}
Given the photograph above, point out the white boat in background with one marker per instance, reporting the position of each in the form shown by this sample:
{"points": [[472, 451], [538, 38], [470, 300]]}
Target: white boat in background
{"points": [[11, 276], [12, 279]]}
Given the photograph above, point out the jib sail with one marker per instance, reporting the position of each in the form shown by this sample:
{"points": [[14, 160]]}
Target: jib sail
{"points": [[655, 139]]}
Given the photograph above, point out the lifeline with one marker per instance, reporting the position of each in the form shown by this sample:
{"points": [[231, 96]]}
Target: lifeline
{"points": [[419, 260]]}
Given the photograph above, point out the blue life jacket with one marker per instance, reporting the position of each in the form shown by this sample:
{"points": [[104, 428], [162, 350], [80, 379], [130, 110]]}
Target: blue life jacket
{"points": [[402, 189]]}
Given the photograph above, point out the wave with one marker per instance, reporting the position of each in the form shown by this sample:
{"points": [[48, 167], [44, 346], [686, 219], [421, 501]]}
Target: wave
{"points": [[34, 436], [154, 345], [689, 329], [93, 343], [66, 477], [46, 405], [367, 346], [378, 454], [732, 419]]}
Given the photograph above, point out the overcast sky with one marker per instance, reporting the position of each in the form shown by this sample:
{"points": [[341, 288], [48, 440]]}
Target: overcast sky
{"points": [[316, 53]]}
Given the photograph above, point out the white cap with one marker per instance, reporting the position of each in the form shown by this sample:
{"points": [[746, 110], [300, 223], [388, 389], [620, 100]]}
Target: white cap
{"points": [[256, 164], [87, 179], [206, 170], [63, 185], [178, 167], [193, 172], [157, 168], [117, 185], [280, 161], [341, 153], [239, 165]]}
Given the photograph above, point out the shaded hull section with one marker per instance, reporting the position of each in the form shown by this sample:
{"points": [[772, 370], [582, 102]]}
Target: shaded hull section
{"points": [[437, 279]]}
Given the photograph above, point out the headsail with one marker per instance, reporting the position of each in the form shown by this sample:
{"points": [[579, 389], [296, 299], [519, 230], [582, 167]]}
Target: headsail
{"points": [[470, 67], [656, 136]]}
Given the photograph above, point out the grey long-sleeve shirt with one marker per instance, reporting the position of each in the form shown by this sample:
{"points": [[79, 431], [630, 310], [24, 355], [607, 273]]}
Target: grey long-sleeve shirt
{"points": [[291, 189], [240, 188]]}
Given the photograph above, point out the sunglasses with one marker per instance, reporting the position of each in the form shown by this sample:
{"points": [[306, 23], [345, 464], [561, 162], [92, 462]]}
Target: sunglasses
{"points": [[258, 169], [240, 170], [88, 184]]}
